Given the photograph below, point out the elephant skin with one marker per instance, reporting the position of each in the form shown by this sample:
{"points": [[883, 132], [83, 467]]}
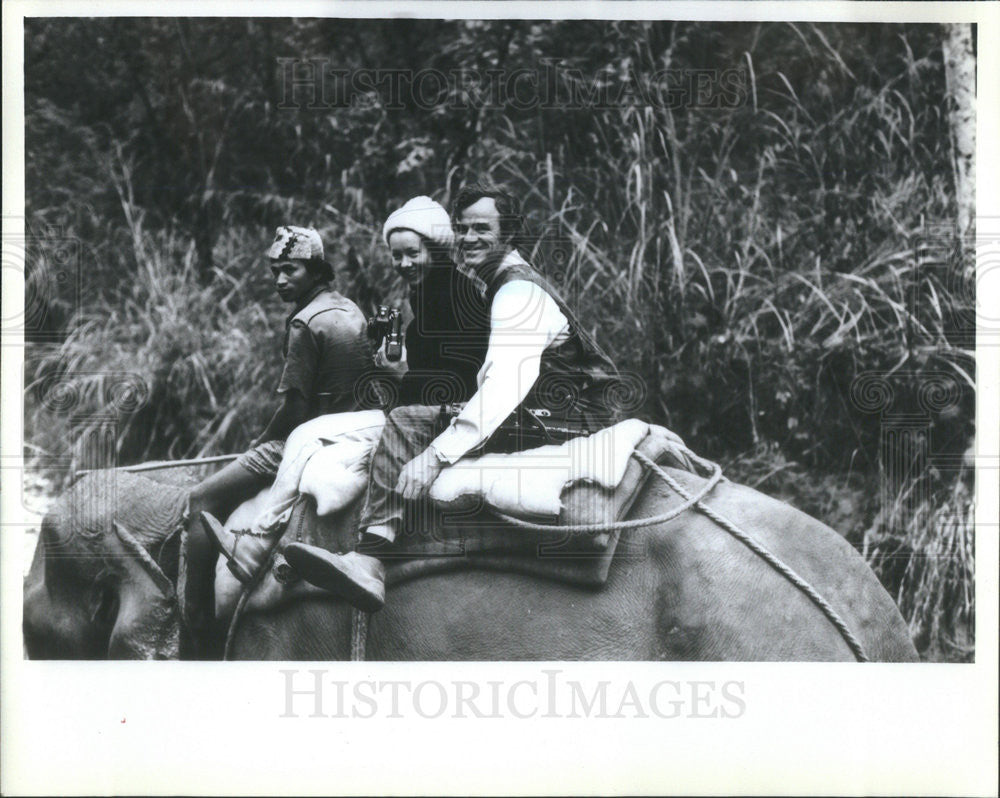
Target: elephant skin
{"points": [[681, 590], [87, 595]]}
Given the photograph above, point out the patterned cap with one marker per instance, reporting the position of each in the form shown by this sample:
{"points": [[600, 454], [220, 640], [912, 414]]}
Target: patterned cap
{"points": [[302, 243]]}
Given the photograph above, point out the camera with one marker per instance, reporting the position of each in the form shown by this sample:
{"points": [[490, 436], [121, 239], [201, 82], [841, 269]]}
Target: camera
{"points": [[387, 324]]}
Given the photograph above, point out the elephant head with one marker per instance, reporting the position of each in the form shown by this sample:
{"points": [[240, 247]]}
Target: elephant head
{"points": [[94, 591]]}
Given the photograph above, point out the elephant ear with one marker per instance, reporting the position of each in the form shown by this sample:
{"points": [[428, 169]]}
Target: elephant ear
{"points": [[148, 621]]}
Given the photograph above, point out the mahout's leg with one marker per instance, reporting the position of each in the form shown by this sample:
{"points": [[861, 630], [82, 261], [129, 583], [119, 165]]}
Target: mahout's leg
{"points": [[246, 550], [219, 495]]}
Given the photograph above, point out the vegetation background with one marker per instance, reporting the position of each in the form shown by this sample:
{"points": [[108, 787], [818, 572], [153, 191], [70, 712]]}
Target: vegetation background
{"points": [[759, 221]]}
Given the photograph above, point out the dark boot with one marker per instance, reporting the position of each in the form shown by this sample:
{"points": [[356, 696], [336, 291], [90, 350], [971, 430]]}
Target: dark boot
{"points": [[358, 578]]}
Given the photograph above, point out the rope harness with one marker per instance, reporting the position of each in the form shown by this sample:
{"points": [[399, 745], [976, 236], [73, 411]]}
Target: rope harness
{"points": [[635, 523], [744, 537], [359, 635], [359, 621], [248, 589]]}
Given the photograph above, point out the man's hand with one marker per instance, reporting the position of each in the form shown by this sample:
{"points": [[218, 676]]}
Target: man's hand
{"points": [[419, 474]]}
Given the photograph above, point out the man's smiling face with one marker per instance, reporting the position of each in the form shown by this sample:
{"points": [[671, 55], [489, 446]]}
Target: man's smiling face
{"points": [[477, 229]]}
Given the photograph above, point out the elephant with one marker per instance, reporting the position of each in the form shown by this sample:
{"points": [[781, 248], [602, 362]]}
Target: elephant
{"points": [[101, 585], [89, 592]]}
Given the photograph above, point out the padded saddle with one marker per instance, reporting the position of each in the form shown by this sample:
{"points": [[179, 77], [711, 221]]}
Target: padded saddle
{"points": [[470, 534]]}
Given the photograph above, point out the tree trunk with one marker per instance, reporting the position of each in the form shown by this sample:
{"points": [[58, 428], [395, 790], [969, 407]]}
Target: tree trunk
{"points": [[960, 75]]}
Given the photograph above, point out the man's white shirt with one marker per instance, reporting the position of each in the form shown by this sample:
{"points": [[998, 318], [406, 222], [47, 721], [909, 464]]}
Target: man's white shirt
{"points": [[524, 321]]}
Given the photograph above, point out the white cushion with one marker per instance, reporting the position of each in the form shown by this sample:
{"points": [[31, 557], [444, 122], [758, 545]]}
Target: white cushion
{"points": [[338, 473], [530, 483]]}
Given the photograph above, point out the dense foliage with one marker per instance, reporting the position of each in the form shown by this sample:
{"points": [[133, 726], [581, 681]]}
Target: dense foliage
{"points": [[755, 219]]}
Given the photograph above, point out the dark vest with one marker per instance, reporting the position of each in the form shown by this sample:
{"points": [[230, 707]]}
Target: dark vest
{"points": [[447, 339], [576, 379]]}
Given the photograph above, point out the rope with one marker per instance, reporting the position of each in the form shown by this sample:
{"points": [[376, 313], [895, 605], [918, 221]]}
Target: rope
{"points": [[182, 569], [759, 549], [696, 501], [359, 625], [248, 588], [635, 523], [135, 469], [359, 635], [231, 631]]}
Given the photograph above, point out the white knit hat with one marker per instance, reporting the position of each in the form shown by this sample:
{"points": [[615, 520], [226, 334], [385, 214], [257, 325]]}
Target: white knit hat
{"points": [[425, 217], [296, 242]]}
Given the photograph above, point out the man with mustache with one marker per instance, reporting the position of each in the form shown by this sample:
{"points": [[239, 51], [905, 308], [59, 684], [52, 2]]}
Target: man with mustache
{"points": [[540, 364]]}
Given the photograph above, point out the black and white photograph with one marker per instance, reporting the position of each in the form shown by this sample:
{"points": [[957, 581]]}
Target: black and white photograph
{"points": [[607, 367]]}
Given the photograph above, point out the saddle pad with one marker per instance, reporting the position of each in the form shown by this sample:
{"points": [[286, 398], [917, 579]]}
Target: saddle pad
{"points": [[336, 474], [358, 425], [480, 540], [529, 484], [483, 541]]}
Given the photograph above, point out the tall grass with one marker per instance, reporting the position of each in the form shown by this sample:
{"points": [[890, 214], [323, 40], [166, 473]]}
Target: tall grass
{"points": [[178, 369], [749, 264], [928, 555], [752, 266]]}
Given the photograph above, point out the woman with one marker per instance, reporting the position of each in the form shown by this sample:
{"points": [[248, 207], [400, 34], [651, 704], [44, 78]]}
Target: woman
{"points": [[540, 364], [447, 339], [445, 343]]}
